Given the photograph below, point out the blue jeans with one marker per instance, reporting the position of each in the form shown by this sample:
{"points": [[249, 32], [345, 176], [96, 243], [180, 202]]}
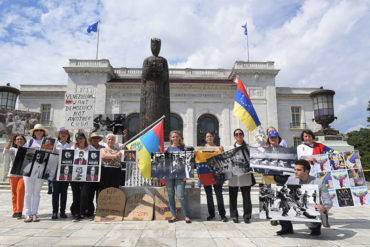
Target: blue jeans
{"points": [[171, 183]]}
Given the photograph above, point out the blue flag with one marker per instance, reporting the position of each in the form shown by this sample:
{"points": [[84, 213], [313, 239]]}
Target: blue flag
{"points": [[93, 27], [245, 29]]}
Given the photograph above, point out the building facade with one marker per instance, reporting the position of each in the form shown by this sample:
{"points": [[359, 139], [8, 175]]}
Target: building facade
{"points": [[201, 99]]}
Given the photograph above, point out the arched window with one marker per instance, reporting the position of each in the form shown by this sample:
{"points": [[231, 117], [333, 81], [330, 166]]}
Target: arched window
{"points": [[176, 122], [132, 125], [207, 123]]}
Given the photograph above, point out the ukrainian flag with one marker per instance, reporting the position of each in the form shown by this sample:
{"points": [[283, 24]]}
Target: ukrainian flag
{"points": [[243, 108], [150, 142]]}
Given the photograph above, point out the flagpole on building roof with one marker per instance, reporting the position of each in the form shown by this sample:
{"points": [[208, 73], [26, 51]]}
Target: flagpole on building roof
{"points": [[97, 43], [247, 42]]}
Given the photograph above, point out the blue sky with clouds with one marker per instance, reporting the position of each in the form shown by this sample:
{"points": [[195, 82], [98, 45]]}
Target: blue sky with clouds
{"points": [[313, 42]]}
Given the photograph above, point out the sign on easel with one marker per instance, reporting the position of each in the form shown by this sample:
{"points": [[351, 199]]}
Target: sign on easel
{"points": [[79, 110], [111, 204]]}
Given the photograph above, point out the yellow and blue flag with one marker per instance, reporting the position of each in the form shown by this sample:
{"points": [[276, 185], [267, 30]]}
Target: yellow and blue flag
{"points": [[243, 108], [93, 27], [151, 141]]}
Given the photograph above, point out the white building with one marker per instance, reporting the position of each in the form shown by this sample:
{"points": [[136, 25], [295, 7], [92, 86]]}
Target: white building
{"points": [[201, 99]]}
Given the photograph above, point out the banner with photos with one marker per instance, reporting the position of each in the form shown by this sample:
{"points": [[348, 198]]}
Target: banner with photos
{"points": [[172, 164], [343, 174], [79, 166], [109, 123], [35, 164], [289, 202], [234, 162], [272, 161], [128, 157], [17, 121]]}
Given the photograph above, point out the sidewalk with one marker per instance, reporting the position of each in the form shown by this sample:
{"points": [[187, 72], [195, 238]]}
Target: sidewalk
{"points": [[349, 227]]}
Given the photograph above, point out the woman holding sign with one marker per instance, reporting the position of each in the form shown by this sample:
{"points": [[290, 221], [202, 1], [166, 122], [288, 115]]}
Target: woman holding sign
{"points": [[111, 164], [15, 181], [82, 204], [33, 185], [243, 182], [172, 183], [60, 187], [207, 180]]}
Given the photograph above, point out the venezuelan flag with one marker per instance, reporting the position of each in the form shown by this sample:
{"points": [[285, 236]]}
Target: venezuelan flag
{"points": [[326, 177], [243, 108], [151, 141], [68, 101], [352, 157]]}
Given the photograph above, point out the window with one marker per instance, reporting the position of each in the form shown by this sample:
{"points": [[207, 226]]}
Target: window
{"points": [[7, 100], [207, 123], [297, 140], [45, 114], [176, 122], [132, 125], [296, 117]]}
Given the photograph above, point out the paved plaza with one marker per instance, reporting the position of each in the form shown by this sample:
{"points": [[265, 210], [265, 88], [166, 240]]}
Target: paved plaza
{"points": [[349, 227]]}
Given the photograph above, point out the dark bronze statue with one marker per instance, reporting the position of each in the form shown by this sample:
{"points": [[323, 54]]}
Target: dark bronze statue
{"points": [[155, 90]]}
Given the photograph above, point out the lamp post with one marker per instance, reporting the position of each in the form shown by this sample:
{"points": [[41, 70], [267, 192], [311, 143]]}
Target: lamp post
{"points": [[323, 107], [8, 97]]}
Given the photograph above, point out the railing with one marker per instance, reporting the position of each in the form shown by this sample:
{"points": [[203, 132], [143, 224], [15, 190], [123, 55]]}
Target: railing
{"points": [[254, 65], [189, 73], [89, 63], [298, 125]]}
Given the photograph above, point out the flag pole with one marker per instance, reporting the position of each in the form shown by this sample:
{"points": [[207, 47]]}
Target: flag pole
{"points": [[97, 43], [247, 41], [144, 130]]}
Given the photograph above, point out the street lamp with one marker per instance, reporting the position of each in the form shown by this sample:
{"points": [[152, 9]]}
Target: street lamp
{"points": [[8, 97], [323, 107]]}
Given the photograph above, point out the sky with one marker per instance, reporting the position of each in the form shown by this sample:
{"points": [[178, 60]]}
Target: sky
{"points": [[313, 42]]}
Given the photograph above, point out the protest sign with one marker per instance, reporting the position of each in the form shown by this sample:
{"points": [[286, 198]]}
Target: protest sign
{"points": [[134, 178], [234, 162], [162, 209], [35, 164], [172, 165], [17, 122], [79, 166], [139, 207], [272, 161], [109, 123], [111, 205], [128, 157], [344, 178], [289, 202], [79, 110], [48, 144]]}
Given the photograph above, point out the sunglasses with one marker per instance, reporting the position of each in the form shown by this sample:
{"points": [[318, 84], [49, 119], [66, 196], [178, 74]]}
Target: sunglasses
{"points": [[238, 134], [38, 130]]}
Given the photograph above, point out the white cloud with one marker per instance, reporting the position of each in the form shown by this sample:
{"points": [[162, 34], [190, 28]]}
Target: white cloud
{"points": [[313, 42]]}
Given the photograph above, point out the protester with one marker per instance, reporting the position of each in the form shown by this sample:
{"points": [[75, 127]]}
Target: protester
{"points": [[209, 138], [301, 176], [33, 185], [111, 164], [243, 182], [306, 150], [15, 181], [60, 188], [176, 144], [94, 140], [82, 204], [265, 143]]}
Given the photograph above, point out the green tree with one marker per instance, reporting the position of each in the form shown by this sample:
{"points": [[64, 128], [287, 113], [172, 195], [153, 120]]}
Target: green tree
{"points": [[361, 141]]}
